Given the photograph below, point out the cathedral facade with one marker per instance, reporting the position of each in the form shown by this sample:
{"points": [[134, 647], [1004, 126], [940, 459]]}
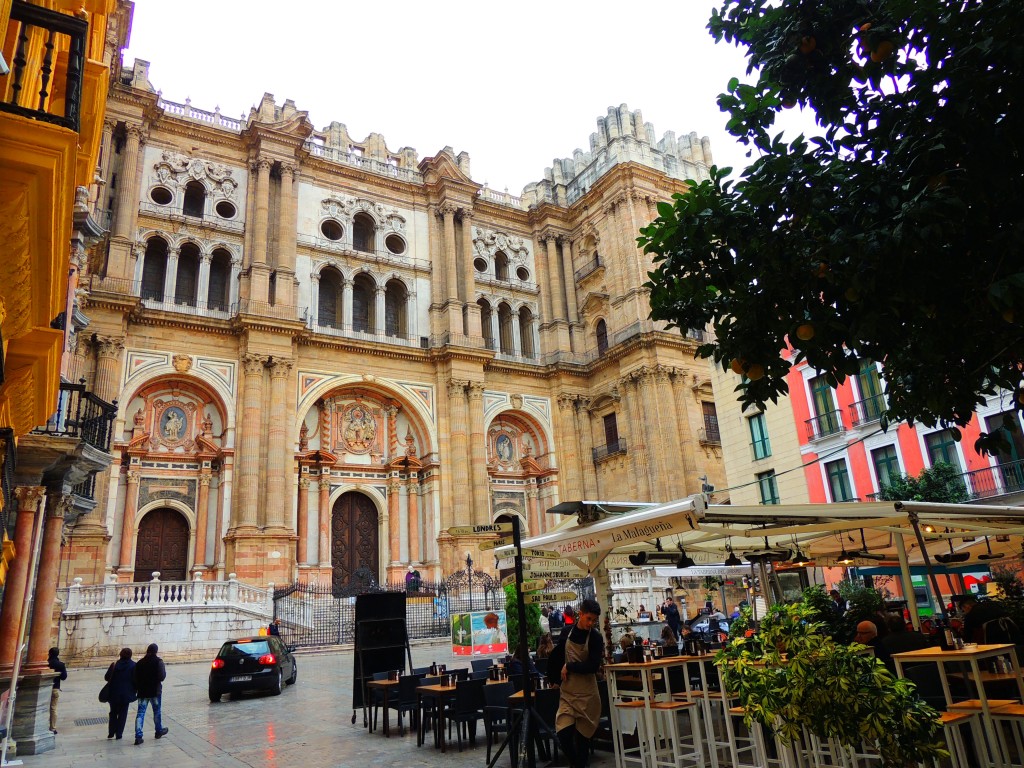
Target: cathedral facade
{"points": [[326, 352]]}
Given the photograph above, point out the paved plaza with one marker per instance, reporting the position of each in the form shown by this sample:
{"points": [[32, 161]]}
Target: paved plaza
{"points": [[307, 726]]}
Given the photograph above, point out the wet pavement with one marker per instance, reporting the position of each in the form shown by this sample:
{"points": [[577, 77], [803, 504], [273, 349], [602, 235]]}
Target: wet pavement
{"points": [[307, 726]]}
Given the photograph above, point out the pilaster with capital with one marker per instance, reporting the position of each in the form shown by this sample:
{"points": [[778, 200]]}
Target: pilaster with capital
{"points": [[127, 187], [302, 522], [637, 446], [286, 219], [414, 517], [570, 472], [478, 454], [544, 279], [533, 506], [247, 498], [279, 454], [202, 518], [585, 431], [572, 312], [668, 425], [131, 506], [685, 436], [108, 366], [555, 278], [262, 214], [447, 212], [30, 500], [103, 169], [42, 635], [394, 523], [324, 518], [459, 509], [473, 327], [651, 425]]}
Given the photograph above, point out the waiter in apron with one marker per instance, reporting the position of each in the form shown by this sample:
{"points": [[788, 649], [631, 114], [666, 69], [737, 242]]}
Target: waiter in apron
{"points": [[573, 666]]}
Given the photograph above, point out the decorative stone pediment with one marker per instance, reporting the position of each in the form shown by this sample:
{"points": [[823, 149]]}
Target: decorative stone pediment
{"points": [[177, 169], [345, 207], [487, 242], [595, 303]]}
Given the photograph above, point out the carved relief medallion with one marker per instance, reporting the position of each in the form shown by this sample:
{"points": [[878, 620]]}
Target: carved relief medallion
{"points": [[358, 428]]}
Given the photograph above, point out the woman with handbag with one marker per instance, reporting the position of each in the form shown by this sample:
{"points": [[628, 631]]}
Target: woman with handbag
{"points": [[120, 690]]}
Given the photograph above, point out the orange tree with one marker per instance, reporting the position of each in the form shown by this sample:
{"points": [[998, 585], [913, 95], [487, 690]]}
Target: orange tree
{"points": [[895, 236]]}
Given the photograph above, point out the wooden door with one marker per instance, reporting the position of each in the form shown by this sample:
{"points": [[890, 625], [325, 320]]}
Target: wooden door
{"points": [[354, 541], [162, 546]]}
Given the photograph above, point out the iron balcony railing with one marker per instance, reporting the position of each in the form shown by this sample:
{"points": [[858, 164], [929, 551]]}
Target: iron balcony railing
{"points": [[828, 423], [709, 435], [37, 64], [588, 269], [611, 449], [81, 414], [867, 410], [87, 488], [988, 482]]}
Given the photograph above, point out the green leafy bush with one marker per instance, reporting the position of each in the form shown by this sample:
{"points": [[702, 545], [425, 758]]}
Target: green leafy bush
{"points": [[512, 617]]}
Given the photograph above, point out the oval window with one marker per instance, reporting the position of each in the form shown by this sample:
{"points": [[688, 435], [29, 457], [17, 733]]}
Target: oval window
{"points": [[161, 195], [331, 230], [523, 274], [395, 244], [480, 265], [225, 209]]}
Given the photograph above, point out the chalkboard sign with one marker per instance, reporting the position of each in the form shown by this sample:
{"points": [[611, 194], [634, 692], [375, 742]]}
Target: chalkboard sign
{"points": [[382, 643]]}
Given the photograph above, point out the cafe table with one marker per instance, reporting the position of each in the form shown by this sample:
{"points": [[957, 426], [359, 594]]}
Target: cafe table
{"points": [[442, 694], [385, 687], [972, 656]]}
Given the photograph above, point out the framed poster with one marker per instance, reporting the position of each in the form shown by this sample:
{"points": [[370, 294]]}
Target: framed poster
{"points": [[479, 633]]}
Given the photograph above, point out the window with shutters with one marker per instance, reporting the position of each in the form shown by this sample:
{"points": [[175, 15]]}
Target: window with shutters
{"points": [[364, 233], [526, 332], [601, 331], [505, 329], [611, 431]]}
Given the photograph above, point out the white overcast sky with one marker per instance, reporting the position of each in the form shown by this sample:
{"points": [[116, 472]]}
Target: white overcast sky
{"points": [[513, 84]]}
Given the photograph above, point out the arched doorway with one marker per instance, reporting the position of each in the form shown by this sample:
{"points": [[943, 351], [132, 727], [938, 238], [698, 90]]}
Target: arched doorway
{"points": [[354, 542], [162, 545]]}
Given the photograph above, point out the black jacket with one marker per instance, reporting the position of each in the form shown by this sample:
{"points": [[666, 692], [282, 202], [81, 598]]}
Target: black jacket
{"points": [[149, 674], [59, 667], [595, 656], [121, 676]]}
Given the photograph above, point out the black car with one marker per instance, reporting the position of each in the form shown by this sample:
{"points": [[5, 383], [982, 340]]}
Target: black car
{"points": [[252, 664]]}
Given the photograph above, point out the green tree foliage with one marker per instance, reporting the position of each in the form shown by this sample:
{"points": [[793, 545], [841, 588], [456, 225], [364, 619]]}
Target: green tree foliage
{"points": [[512, 617], [791, 675], [1011, 593], [894, 236], [941, 482]]}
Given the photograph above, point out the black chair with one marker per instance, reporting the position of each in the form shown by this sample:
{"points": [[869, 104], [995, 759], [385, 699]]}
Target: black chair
{"points": [[496, 715], [375, 699], [479, 674], [670, 650], [406, 701], [427, 710], [929, 684], [422, 671], [467, 708], [483, 664], [546, 708]]}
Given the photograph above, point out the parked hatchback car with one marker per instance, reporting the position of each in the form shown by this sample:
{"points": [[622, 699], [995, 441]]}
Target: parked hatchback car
{"points": [[252, 664]]}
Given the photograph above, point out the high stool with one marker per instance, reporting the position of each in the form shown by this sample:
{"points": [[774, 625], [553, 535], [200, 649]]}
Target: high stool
{"points": [[629, 756], [1010, 716], [674, 749], [754, 744], [952, 722]]}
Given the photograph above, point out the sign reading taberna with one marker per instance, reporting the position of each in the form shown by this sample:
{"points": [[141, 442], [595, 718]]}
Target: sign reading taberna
{"points": [[473, 530]]}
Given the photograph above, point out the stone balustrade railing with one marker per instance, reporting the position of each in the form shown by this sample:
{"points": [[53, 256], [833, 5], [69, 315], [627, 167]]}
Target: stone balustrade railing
{"points": [[639, 578], [114, 596]]}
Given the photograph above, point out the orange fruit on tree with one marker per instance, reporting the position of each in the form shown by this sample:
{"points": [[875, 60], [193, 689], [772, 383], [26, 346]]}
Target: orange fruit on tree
{"points": [[737, 366], [755, 371], [788, 102], [865, 27], [1008, 315], [822, 269], [808, 44], [805, 331], [882, 51]]}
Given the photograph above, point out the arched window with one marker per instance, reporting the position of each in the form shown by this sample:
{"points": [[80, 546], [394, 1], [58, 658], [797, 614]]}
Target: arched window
{"points": [[154, 269], [601, 330], [526, 332], [363, 233], [505, 329], [329, 301], [364, 304], [186, 283], [485, 323], [195, 199], [219, 290], [396, 299], [501, 266]]}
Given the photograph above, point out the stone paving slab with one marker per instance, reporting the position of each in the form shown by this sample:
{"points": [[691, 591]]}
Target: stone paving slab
{"points": [[307, 726]]}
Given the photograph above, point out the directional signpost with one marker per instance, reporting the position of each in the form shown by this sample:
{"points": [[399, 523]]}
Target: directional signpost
{"points": [[476, 530], [548, 597], [505, 541]]}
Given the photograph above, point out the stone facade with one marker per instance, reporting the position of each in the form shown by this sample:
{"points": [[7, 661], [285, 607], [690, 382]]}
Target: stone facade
{"points": [[326, 352]]}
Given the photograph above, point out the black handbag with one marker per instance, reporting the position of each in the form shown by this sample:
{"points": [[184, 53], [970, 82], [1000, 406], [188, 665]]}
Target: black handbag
{"points": [[104, 696]]}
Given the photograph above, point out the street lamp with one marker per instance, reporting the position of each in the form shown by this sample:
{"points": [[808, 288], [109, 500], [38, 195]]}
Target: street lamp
{"points": [[469, 576]]}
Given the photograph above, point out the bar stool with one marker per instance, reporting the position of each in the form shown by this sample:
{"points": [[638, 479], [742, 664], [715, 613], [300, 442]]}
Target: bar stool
{"points": [[753, 743], [631, 755], [674, 749], [1011, 716], [952, 722]]}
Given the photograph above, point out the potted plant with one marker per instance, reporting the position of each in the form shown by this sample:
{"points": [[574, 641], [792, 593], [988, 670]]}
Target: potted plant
{"points": [[792, 676]]}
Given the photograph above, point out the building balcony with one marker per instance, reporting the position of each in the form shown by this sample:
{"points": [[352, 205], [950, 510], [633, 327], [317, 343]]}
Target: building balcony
{"points": [[827, 424], [45, 84], [81, 415], [611, 449], [370, 164], [867, 411], [708, 435], [588, 269], [350, 332]]}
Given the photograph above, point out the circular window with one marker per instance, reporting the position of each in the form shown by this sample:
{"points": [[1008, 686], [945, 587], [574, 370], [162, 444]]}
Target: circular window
{"points": [[225, 209], [523, 274], [480, 265], [331, 229], [161, 195], [395, 244]]}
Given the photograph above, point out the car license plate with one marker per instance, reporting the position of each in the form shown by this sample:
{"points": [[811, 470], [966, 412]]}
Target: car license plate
{"points": [[241, 678]]}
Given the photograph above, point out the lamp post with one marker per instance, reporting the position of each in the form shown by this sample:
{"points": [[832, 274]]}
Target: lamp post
{"points": [[469, 576]]}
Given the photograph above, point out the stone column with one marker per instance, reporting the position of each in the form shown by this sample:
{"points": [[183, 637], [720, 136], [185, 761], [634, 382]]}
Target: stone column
{"points": [[286, 237], [41, 637], [651, 426], [569, 458], [680, 397], [544, 280], [555, 279], [103, 169], [131, 504], [204, 280], [346, 304], [81, 353], [533, 506], [469, 277], [458, 510], [247, 504], [570, 281], [668, 426], [202, 518], [584, 429], [30, 498], [302, 522], [127, 190], [379, 323], [517, 339], [637, 447], [394, 527], [279, 454], [324, 520], [108, 366], [414, 518], [478, 454], [171, 276], [495, 328], [451, 300], [259, 272]]}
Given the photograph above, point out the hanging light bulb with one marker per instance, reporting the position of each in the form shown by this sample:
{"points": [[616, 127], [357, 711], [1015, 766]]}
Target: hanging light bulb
{"points": [[800, 559], [731, 559]]}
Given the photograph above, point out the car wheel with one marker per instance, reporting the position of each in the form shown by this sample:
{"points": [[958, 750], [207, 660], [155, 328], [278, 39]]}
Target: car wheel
{"points": [[295, 674], [278, 684], [214, 696]]}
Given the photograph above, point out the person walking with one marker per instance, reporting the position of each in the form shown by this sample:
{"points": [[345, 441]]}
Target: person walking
{"points": [[58, 666], [274, 628], [121, 676], [574, 666], [150, 674], [672, 618]]}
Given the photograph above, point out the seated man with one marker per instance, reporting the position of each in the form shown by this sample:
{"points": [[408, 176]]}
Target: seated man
{"points": [[867, 634], [977, 614], [899, 640]]}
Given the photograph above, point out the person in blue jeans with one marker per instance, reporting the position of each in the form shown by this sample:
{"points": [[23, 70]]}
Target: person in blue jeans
{"points": [[150, 673]]}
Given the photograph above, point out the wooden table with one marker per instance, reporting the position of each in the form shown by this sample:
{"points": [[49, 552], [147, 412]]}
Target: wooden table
{"points": [[970, 656], [441, 694], [385, 686]]}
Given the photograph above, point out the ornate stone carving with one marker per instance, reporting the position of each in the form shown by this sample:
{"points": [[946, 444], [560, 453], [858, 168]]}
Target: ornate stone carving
{"points": [[109, 346], [447, 209], [358, 428], [29, 496], [456, 387], [516, 401], [486, 243], [304, 483], [325, 482], [253, 365], [280, 368], [205, 478], [566, 401], [303, 437], [173, 420], [182, 363], [476, 390]]}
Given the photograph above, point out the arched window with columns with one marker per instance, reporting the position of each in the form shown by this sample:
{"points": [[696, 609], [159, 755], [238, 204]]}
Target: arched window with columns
{"points": [[501, 266], [601, 331], [186, 284], [526, 332], [195, 199], [218, 293], [364, 291], [506, 346], [154, 269], [329, 309], [396, 301], [485, 323], [364, 233]]}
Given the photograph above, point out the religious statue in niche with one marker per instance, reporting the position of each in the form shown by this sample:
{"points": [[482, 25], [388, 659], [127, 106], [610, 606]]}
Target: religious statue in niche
{"points": [[358, 428], [505, 449], [172, 420], [173, 423]]}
